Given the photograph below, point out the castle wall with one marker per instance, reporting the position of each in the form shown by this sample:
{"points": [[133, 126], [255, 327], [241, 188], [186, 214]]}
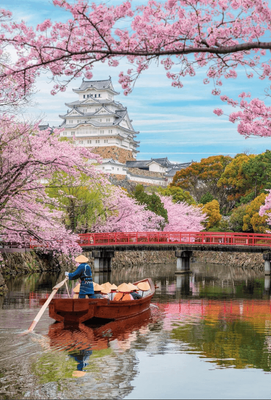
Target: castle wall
{"points": [[115, 153]]}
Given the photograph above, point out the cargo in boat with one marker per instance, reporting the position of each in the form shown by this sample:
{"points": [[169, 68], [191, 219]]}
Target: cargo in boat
{"points": [[81, 310]]}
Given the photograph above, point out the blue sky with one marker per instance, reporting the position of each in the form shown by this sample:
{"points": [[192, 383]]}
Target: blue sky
{"points": [[174, 123]]}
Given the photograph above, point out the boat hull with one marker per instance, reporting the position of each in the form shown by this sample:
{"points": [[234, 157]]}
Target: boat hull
{"points": [[81, 310]]}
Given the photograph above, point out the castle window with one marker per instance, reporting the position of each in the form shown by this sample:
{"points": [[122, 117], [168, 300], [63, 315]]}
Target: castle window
{"points": [[81, 141], [97, 141], [84, 96], [101, 131], [110, 131], [108, 119], [105, 141], [70, 121], [95, 95], [112, 167], [99, 95], [72, 133], [88, 141]]}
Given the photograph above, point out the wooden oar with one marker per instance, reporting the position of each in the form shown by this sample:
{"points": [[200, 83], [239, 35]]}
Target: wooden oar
{"points": [[43, 308]]}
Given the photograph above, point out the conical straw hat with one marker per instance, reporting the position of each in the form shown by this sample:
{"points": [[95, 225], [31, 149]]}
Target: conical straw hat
{"points": [[81, 259], [124, 288], [133, 287], [107, 285], [114, 287], [97, 287], [105, 290], [76, 289], [143, 286]]}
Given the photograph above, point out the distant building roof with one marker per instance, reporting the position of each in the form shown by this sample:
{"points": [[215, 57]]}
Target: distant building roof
{"points": [[138, 164], [162, 161], [111, 161], [177, 167]]}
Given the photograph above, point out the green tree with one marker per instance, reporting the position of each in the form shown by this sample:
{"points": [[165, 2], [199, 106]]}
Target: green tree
{"points": [[151, 201], [80, 200], [206, 198], [252, 220], [258, 173], [234, 179], [202, 177], [237, 218], [178, 195]]}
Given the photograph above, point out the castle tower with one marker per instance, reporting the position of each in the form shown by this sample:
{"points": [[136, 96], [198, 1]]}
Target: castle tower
{"points": [[97, 121]]}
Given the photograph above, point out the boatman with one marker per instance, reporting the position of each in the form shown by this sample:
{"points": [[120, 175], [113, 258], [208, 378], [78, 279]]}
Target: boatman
{"points": [[83, 271]]}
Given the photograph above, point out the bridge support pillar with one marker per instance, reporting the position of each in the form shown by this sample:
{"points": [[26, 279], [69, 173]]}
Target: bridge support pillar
{"points": [[102, 260], [183, 261], [267, 267]]}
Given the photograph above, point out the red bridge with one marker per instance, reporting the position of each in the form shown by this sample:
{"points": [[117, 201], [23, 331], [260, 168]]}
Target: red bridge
{"points": [[104, 245], [262, 241]]}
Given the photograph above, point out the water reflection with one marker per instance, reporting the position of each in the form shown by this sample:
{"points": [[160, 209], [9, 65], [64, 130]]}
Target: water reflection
{"points": [[228, 333], [218, 315]]}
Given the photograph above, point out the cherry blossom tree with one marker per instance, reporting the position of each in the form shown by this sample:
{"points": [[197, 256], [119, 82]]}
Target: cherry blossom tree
{"points": [[182, 217], [124, 214], [29, 158]]}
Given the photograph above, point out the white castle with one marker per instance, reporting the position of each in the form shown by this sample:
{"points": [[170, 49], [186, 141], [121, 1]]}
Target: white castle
{"points": [[96, 120]]}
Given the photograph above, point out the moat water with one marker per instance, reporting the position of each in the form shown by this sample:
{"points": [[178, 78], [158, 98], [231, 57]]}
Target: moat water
{"points": [[208, 335]]}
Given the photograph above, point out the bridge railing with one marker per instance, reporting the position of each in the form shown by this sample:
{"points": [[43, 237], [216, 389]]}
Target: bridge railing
{"points": [[208, 238]]}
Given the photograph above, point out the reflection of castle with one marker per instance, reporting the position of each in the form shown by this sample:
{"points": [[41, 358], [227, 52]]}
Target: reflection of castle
{"points": [[99, 122]]}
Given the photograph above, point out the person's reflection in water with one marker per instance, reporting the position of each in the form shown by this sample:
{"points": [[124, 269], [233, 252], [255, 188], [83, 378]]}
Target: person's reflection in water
{"points": [[81, 357]]}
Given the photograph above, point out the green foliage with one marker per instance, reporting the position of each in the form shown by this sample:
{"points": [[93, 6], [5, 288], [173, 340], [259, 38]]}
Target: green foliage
{"points": [[245, 199], [258, 172], [222, 226], [178, 195], [151, 201], [81, 201], [206, 198], [237, 218], [202, 177], [252, 220], [234, 179]]}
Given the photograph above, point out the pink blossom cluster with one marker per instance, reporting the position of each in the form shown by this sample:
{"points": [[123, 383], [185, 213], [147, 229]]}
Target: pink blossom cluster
{"points": [[182, 217]]}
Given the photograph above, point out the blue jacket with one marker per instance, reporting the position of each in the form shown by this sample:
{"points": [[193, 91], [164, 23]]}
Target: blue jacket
{"points": [[83, 272]]}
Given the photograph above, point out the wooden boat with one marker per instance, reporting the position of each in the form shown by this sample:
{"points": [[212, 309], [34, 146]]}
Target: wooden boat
{"points": [[81, 310]]}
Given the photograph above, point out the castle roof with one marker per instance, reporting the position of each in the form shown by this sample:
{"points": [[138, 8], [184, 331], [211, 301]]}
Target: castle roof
{"points": [[98, 85]]}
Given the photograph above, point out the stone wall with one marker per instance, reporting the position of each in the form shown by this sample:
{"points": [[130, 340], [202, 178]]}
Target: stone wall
{"points": [[245, 260], [118, 177], [114, 152]]}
